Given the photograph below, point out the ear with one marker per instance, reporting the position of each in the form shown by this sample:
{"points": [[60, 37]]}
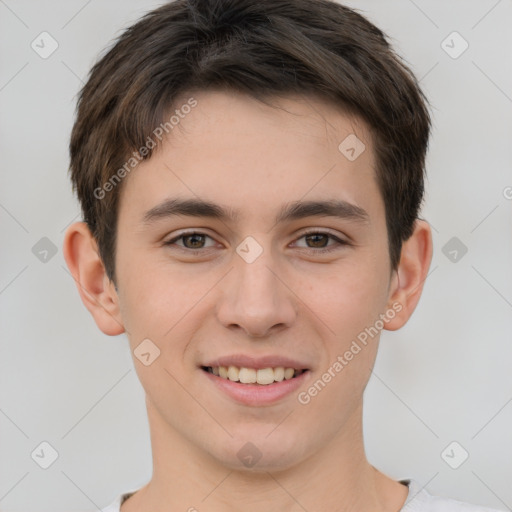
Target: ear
{"points": [[407, 281], [96, 290]]}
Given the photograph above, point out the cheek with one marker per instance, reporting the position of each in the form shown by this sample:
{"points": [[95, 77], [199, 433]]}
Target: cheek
{"points": [[350, 297], [148, 300], [163, 302]]}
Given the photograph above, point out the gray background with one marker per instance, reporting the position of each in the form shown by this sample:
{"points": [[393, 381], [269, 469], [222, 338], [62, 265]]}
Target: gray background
{"points": [[446, 376]]}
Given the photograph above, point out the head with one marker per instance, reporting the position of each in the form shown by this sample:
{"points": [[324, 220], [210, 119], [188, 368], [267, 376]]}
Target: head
{"points": [[251, 124]]}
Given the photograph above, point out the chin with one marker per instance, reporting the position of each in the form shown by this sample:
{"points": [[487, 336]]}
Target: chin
{"points": [[256, 452]]}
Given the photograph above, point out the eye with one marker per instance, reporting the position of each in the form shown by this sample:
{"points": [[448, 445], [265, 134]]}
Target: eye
{"points": [[191, 241], [320, 240], [194, 242]]}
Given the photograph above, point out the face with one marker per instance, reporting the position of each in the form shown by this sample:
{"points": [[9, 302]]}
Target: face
{"points": [[284, 265]]}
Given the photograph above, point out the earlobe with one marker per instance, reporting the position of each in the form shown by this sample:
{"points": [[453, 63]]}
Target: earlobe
{"points": [[96, 290], [409, 278]]}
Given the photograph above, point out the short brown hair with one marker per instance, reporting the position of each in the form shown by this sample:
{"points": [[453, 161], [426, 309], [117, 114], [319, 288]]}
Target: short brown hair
{"points": [[261, 48]]}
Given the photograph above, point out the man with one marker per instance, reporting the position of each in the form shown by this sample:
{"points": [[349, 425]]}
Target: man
{"points": [[250, 174]]}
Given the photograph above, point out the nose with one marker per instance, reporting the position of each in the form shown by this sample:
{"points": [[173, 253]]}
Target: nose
{"points": [[256, 297]]}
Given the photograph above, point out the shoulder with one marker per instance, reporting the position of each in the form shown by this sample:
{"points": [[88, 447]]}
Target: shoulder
{"points": [[115, 506], [420, 500]]}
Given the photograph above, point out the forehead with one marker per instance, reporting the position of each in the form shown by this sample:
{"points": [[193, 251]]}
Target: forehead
{"points": [[292, 115], [247, 152]]}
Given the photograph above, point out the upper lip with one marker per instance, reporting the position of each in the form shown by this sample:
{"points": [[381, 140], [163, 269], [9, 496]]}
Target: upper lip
{"points": [[246, 361]]}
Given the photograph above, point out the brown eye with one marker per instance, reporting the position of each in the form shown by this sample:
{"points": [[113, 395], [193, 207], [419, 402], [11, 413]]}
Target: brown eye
{"points": [[194, 241], [318, 240], [191, 241]]}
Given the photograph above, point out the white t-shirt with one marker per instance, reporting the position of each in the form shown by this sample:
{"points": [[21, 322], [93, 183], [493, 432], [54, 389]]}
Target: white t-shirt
{"points": [[418, 500]]}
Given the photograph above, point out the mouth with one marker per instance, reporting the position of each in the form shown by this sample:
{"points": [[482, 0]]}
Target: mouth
{"points": [[258, 383], [258, 376]]}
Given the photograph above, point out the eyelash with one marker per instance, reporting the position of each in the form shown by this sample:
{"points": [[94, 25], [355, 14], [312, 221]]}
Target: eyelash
{"points": [[339, 242]]}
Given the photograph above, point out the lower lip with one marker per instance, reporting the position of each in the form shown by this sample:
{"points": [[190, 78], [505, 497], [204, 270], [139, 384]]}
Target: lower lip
{"points": [[257, 394]]}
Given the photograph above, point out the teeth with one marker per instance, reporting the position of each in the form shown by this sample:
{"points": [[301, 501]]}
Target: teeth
{"points": [[279, 373], [233, 373], [248, 375], [262, 376], [266, 376], [288, 373]]}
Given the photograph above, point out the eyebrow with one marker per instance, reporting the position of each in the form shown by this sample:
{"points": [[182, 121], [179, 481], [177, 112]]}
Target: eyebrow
{"points": [[291, 211]]}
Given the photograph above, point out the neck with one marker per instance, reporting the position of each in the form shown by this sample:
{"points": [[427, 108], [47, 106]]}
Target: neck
{"points": [[338, 477]]}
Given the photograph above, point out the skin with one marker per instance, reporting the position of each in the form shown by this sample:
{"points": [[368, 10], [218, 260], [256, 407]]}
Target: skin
{"points": [[292, 300]]}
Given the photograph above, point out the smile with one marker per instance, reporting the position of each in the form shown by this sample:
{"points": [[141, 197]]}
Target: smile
{"points": [[256, 387], [262, 376]]}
